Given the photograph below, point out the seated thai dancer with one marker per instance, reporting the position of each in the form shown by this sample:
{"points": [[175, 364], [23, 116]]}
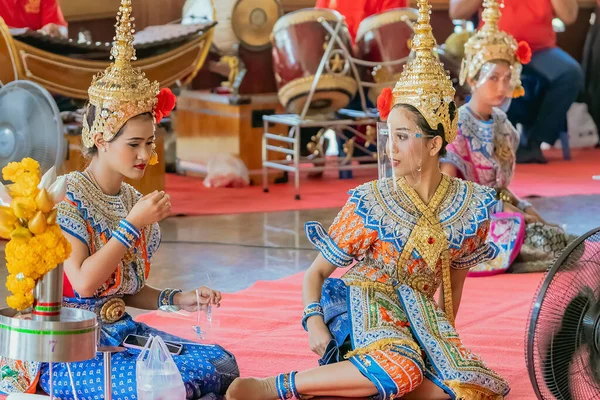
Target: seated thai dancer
{"points": [[378, 329]]}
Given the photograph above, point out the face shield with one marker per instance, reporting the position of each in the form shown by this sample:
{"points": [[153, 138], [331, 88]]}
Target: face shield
{"points": [[400, 152], [497, 83]]}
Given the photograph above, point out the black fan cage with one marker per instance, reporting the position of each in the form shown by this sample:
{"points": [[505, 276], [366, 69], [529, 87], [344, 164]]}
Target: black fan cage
{"points": [[562, 346]]}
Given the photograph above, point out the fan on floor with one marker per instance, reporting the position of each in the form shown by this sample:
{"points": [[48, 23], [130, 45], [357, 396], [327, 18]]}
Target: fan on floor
{"points": [[30, 125], [563, 339]]}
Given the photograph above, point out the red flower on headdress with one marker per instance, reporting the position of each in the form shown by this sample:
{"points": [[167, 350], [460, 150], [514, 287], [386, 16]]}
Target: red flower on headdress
{"points": [[165, 104], [524, 53], [384, 103]]}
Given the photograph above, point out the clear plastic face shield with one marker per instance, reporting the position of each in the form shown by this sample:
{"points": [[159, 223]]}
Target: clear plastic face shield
{"points": [[497, 82], [401, 150]]}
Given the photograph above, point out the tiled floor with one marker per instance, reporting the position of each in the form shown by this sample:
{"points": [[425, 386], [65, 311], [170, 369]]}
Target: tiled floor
{"points": [[231, 252]]}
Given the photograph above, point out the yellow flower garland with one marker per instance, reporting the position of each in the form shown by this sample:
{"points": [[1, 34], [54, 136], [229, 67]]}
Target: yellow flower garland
{"points": [[36, 244]]}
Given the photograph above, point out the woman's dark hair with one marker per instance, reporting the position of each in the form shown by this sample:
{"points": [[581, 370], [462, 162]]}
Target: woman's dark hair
{"points": [[424, 126], [90, 115]]}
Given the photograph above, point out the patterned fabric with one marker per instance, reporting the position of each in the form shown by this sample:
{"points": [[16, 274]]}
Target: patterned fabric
{"points": [[204, 369], [90, 216], [542, 245], [441, 343], [366, 309], [318, 237], [484, 153], [507, 232], [395, 370], [18, 376]]}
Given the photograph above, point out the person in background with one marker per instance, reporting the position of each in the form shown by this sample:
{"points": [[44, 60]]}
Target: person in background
{"points": [[355, 11], [531, 21], [484, 149], [378, 329], [39, 15], [591, 66], [114, 234]]}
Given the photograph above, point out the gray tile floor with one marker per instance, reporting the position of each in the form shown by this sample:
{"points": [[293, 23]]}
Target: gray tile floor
{"points": [[231, 252]]}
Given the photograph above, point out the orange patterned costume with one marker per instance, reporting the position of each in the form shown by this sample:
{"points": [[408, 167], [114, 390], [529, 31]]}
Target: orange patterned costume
{"points": [[382, 313]]}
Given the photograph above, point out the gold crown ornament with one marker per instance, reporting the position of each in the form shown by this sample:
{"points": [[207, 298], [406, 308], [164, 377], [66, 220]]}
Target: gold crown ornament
{"points": [[122, 92], [489, 44], [423, 84]]}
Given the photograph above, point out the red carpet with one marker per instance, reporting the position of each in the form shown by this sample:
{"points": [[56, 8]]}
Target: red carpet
{"points": [[261, 326], [190, 197]]}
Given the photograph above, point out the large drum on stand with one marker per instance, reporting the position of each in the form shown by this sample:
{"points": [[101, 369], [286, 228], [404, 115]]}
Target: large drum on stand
{"points": [[385, 37], [299, 43]]}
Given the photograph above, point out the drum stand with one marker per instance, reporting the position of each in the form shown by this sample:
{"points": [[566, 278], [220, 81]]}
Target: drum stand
{"points": [[348, 120]]}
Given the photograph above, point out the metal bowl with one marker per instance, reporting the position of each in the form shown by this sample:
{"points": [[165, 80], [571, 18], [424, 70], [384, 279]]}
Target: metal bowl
{"points": [[72, 338]]}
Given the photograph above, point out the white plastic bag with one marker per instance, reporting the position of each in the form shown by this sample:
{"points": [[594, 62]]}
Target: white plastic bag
{"points": [[157, 375], [583, 132], [225, 170]]}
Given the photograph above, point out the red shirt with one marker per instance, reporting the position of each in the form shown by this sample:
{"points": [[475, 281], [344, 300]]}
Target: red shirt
{"points": [[356, 11], [529, 21], [32, 14]]}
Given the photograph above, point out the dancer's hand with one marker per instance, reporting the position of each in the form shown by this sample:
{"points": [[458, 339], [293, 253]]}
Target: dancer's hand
{"points": [[189, 302], [318, 335], [151, 208]]}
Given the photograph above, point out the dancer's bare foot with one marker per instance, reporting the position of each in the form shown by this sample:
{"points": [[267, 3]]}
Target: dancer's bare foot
{"points": [[252, 389]]}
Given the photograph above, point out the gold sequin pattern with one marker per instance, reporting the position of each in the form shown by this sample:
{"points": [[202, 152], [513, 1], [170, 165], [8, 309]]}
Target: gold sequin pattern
{"points": [[429, 239], [424, 84], [112, 310]]}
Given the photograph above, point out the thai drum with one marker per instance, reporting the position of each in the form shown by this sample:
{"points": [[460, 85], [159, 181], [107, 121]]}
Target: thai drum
{"points": [[246, 22], [299, 42], [385, 37]]}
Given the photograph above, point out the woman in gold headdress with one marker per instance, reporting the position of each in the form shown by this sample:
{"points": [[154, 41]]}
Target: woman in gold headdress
{"points": [[114, 233], [378, 329], [484, 150]]}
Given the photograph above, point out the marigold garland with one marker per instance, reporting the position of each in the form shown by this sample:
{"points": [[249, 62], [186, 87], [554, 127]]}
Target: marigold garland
{"points": [[36, 244]]}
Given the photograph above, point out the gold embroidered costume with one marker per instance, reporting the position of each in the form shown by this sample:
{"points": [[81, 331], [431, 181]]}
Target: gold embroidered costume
{"points": [[382, 312], [92, 217]]}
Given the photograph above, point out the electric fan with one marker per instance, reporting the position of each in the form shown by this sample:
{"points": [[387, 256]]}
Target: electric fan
{"points": [[563, 339], [30, 126]]}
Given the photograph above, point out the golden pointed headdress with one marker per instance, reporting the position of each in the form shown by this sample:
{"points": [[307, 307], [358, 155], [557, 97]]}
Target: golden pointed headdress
{"points": [[424, 84], [490, 43], [120, 92]]}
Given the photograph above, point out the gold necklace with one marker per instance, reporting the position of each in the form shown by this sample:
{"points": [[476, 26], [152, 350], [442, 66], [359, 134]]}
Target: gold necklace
{"points": [[88, 172]]}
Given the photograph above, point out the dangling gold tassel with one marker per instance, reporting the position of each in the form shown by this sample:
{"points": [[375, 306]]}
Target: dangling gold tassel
{"points": [[468, 391], [154, 157], [447, 288]]}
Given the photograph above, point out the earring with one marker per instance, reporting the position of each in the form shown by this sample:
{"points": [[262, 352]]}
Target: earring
{"points": [[104, 149], [419, 167], [154, 157]]}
